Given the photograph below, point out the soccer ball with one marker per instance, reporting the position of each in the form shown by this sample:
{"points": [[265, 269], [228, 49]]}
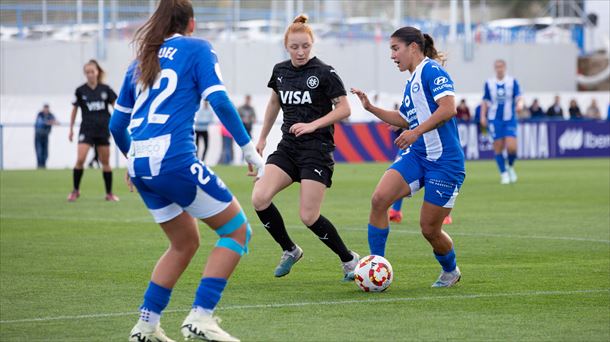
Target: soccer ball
{"points": [[373, 273]]}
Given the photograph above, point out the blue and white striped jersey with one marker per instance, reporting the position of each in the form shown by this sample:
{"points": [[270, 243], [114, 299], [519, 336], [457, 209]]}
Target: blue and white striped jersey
{"points": [[501, 96], [428, 83], [162, 116]]}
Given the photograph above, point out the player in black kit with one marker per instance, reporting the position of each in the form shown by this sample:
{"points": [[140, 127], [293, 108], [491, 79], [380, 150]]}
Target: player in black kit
{"points": [[93, 99], [306, 90]]}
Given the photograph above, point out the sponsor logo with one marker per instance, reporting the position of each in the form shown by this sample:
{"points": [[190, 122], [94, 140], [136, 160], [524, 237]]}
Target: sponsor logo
{"points": [[280, 78], [446, 85], [571, 139], [440, 80], [575, 139], [96, 105], [313, 82], [319, 172], [295, 97]]}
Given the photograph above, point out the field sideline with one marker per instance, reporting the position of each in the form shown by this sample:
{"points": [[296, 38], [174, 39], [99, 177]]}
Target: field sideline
{"points": [[535, 258]]}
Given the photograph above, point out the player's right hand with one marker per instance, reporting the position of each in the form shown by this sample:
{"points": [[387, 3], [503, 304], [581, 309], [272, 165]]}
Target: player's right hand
{"points": [[260, 146], [366, 104]]}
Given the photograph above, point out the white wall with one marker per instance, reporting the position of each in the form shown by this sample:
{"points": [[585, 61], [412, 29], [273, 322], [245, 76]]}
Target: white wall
{"points": [[18, 142], [55, 68]]}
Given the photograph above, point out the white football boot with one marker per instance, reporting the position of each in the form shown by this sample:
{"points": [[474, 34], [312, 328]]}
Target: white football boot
{"points": [[200, 326], [448, 279], [145, 332], [512, 175], [504, 178], [350, 266]]}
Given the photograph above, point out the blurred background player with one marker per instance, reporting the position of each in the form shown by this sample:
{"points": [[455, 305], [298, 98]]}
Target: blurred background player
{"points": [[433, 156], [247, 114], [93, 98], [306, 90], [203, 119], [501, 98], [42, 128], [170, 76]]}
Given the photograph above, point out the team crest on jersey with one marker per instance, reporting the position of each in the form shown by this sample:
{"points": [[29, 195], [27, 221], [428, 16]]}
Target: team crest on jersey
{"points": [[313, 82], [104, 95], [415, 87]]}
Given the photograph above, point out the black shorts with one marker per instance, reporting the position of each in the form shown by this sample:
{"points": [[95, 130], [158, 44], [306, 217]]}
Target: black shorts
{"points": [[313, 164], [93, 140]]}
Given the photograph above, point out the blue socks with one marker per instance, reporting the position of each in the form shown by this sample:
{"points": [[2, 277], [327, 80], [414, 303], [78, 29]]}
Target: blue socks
{"points": [[377, 239], [511, 159], [501, 163], [156, 298], [397, 205], [209, 292], [447, 261]]}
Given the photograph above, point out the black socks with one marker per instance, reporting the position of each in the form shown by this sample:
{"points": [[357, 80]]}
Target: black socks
{"points": [[77, 174], [327, 233], [108, 181], [273, 222]]}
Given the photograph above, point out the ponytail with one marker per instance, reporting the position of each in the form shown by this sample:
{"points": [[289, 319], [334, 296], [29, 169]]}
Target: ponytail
{"points": [[430, 50], [171, 16], [424, 41]]}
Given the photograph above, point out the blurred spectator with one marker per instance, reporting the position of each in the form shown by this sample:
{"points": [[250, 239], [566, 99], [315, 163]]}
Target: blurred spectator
{"points": [[574, 110], [463, 112], [536, 111], [247, 114], [42, 128], [226, 155], [593, 112], [202, 120], [555, 110]]}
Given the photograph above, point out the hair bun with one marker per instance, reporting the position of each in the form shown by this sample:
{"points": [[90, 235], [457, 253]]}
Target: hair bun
{"points": [[302, 18]]}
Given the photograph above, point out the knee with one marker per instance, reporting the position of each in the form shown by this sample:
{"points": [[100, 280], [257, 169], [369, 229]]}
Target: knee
{"points": [[187, 247], [429, 231], [260, 199], [309, 217], [380, 202]]}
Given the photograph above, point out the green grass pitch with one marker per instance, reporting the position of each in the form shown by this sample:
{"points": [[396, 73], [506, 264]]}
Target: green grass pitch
{"points": [[535, 258]]}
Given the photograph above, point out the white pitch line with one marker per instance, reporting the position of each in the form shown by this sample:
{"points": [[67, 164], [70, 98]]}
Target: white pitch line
{"points": [[294, 226], [336, 302], [507, 236]]}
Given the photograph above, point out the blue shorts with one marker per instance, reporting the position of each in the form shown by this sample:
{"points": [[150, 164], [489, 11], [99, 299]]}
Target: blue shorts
{"points": [[194, 189], [502, 129], [442, 180]]}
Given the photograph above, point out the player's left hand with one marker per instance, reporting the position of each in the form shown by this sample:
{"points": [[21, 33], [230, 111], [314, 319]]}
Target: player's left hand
{"points": [[256, 165], [301, 128], [406, 139]]}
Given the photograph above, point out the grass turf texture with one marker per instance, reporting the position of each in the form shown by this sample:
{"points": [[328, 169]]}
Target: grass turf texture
{"points": [[535, 258]]}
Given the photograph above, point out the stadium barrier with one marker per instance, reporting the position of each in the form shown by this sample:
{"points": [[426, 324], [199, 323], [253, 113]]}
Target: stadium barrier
{"points": [[373, 142]]}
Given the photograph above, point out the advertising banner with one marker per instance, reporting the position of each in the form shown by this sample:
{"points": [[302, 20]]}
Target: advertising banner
{"points": [[369, 142]]}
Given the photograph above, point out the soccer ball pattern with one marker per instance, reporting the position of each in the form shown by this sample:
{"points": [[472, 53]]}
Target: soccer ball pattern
{"points": [[373, 273]]}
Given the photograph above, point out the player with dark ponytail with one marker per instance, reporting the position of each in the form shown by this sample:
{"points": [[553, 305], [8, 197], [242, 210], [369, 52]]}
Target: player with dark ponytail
{"points": [[94, 99], [433, 158], [160, 95]]}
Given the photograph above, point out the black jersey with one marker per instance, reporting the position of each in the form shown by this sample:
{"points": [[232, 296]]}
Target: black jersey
{"points": [[305, 95], [93, 104]]}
